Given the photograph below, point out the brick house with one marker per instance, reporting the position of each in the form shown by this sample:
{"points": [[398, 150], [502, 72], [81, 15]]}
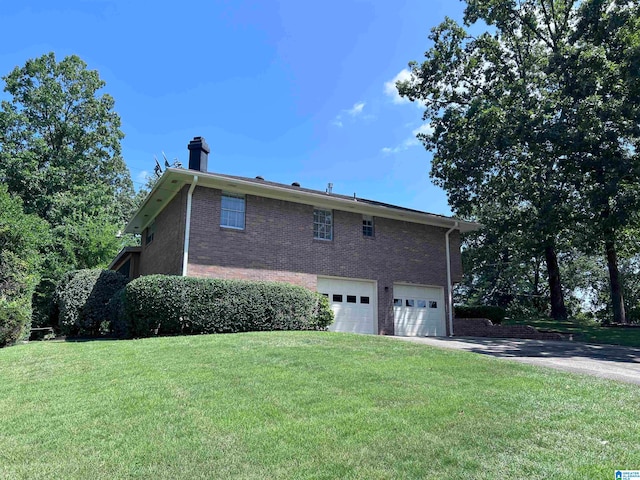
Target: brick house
{"points": [[386, 269]]}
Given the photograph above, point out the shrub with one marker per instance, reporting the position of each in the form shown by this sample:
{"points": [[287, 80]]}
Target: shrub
{"points": [[493, 313], [82, 300], [15, 321], [182, 305]]}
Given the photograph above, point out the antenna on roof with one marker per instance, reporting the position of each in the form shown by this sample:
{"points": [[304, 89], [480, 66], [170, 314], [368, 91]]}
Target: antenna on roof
{"points": [[176, 163], [157, 169]]}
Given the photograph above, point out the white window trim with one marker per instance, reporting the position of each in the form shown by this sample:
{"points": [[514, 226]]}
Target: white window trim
{"points": [[244, 210], [330, 239]]}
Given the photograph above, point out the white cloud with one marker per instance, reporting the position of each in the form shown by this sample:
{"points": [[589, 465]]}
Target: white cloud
{"points": [[356, 109], [426, 129], [142, 176], [412, 141], [391, 90], [353, 112]]}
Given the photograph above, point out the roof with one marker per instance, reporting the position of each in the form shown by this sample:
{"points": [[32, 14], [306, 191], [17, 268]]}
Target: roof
{"points": [[121, 255], [173, 180]]}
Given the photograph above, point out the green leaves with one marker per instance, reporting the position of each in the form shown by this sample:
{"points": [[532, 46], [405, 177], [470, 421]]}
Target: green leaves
{"points": [[537, 116], [60, 153], [183, 305]]}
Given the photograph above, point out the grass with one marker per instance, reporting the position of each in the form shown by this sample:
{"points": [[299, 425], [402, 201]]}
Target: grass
{"points": [[586, 331], [303, 405]]}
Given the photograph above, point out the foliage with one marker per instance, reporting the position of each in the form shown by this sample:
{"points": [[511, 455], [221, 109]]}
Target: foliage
{"points": [[183, 305], [82, 301], [60, 153], [494, 313], [536, 117], [15, 320], [21, 236]]}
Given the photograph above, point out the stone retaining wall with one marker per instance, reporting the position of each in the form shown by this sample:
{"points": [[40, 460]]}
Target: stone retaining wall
{"points": [[483, 327]]}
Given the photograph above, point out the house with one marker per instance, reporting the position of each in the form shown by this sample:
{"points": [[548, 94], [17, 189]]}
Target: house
{"points": [[385, 269]]}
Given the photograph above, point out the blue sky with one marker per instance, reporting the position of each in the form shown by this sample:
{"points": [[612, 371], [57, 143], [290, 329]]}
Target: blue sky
{"points": [[290, 90]]}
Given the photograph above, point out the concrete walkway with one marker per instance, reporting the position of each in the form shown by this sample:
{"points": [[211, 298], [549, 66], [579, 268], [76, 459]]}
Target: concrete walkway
{"points": [[607, 361]]}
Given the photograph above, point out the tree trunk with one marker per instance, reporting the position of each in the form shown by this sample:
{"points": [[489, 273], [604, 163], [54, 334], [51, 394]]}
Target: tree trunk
{"points": [[558, 309], [615, 284]]}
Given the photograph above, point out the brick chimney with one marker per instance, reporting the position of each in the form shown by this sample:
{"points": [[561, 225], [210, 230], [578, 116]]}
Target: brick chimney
{"points": [[198, 154]]}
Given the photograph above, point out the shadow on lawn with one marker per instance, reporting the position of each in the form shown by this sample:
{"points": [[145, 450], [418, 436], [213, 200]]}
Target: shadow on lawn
{"points": [[500, 347]]}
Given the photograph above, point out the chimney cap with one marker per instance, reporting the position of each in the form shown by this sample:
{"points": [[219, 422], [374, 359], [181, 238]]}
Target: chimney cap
{"points": [[199, 143], [259, 177], [295, 184]]}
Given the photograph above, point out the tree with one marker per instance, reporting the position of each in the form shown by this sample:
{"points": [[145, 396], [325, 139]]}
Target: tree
{"points": [[21, 236], [508, 127], [60, 152], [601, 77], [492, 111]]}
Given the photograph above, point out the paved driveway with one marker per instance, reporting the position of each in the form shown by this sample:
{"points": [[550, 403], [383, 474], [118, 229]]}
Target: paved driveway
{"points": [[607, 361]]}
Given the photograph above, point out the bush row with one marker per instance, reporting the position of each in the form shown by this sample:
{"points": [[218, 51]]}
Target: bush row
{"points": [[81, 301], [95, 302], [493, 313], [169, 305]]}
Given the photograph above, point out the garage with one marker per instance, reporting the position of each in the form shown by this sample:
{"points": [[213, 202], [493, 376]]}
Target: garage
{"points": [[418, 311], [353, 303]]}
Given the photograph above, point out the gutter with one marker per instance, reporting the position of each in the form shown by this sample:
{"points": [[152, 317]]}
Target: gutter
{"points": [[187, 228], [449, 285]]}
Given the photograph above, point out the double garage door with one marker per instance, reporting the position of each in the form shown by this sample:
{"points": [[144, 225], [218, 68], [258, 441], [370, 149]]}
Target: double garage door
{"points": [[417, 310]]}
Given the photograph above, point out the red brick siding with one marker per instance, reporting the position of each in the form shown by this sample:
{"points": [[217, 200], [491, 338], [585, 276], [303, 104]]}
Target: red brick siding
{"points": [[214, 271], [278, 237], [164, 254]]}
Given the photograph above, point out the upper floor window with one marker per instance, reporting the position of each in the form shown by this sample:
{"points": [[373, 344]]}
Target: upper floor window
{"points": [[367, 226], [151, 233], [232, 211], [322, 224]]}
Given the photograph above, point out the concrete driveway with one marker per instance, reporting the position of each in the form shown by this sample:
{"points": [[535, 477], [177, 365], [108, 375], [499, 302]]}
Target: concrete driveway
{"points": [[607, 361]]}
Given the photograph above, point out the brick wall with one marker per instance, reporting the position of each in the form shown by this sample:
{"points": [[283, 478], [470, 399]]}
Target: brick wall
{"points": [[164, 254], [233, 273], [278, 237], [483, 327]]}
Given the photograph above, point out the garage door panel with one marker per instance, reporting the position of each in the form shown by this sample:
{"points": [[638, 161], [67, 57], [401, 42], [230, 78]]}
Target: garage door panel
{"points": [[418, 310], [352, 303]]}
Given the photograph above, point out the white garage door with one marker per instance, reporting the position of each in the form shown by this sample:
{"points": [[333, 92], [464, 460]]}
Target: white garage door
{"points": [[418, 311], [353, 304]]}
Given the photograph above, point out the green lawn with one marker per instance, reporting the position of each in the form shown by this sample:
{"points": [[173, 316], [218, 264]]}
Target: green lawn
{"points": [[586, 331], [303, 405]]}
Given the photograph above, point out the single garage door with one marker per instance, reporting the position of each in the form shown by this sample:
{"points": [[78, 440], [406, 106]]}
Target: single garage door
{"points": [[418, 311], [353, 304]]}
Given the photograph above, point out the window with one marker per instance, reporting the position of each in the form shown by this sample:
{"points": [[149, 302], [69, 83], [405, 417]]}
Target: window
{"points": [[433, 304], [351, 299], [326, 295], [337, 298], [232, 211], [367, 226], [151, 232], [421, 303], [364, 300], [409, 302], [397, 302], [322, 224]]}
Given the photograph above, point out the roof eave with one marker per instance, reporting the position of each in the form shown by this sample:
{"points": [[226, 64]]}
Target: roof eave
{"points": [[173, 180]]}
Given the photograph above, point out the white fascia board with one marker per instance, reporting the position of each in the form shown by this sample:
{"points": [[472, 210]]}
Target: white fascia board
{"points": [[174, 179]]}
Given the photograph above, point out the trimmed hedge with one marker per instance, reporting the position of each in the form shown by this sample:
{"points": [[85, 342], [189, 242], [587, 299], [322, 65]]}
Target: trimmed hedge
{"points": [[81, 301], [493, 313], [169, 305], [15, 321]]}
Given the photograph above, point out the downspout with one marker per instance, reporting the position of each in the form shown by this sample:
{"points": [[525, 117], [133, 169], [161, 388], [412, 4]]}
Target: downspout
{"points": [[449, 285], [187, 228]]}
